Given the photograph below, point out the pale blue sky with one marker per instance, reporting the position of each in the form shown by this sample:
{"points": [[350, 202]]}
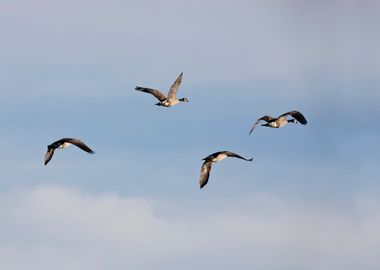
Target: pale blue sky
{"points": [[68, 69]]}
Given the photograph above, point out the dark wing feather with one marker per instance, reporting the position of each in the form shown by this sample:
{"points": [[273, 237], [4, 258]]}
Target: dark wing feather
{"points": [[296, 115], [212, 156], [205, 173], [79, 144], [154, 92], [231, 154], [173, 89], [49, 155], [266, 118]]}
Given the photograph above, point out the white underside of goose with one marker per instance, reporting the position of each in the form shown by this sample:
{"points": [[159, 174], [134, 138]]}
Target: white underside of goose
{"points": [[64, 145], [219, 157], [170, 102]]}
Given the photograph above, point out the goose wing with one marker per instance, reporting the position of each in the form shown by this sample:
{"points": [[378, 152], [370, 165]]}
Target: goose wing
{"points": [[205, 173], [265, 118], [212, 156], [79, 144], [173, 89], [296, 115], [48, 155], [231, 154], [154, 92]]}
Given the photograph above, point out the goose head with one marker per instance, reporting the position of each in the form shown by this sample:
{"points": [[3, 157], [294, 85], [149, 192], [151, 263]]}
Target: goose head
{"points": [[183, 99]]}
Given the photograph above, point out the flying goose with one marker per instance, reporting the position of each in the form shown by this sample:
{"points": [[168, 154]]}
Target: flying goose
{"points": [[280, 121], [63, 143], [171, 99], [206, 166]]}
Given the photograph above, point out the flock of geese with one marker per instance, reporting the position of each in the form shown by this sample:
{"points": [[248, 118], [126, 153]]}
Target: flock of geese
{"points": [[171, 100]]}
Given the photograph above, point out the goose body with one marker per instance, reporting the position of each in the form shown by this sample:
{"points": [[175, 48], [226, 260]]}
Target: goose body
{"points": [[166, 101], [280, 121], [64, 143], [215, 157]]}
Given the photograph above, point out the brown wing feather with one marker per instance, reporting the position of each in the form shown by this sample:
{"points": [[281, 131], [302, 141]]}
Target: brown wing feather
{"points": [[266, 118], [231, 154], [296, 115], [79, 144], [212, 156], [48, 155], [205, 173], [173, 89], [156, 93]]}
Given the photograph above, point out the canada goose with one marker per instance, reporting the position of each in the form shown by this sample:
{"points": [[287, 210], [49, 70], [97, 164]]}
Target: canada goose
{"points": [[281, 121], [206, 166], [63, 143], [171, 99]]}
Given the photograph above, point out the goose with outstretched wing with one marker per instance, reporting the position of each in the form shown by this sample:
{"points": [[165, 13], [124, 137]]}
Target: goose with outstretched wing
{"points": [[166, 101], [215, 157], [280, 121], [63, 143]]}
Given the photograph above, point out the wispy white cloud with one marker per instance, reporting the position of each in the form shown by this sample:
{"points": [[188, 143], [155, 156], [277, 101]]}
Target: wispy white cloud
{"points": [[57, 227]]}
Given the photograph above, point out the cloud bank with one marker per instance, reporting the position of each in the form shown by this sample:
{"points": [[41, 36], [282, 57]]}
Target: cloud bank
{"points": [[54, 227]]}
